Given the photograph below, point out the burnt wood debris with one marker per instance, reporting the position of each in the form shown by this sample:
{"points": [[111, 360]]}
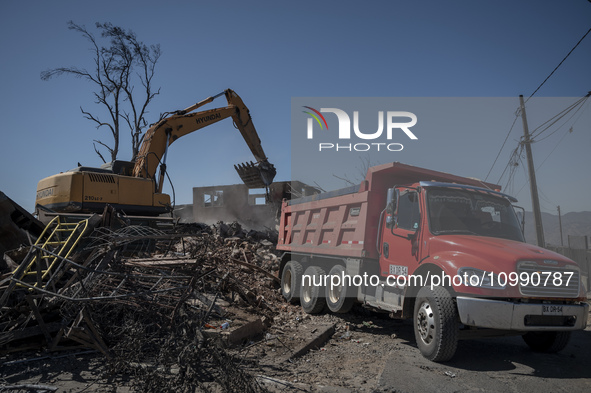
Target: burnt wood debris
{"points": [[153, 301]]}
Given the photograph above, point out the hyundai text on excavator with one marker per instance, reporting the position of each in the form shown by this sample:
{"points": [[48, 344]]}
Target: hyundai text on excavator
{"points": [[132, 187]]}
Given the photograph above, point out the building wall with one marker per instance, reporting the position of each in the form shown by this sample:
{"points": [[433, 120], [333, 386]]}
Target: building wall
{"points": [[248, 207]]}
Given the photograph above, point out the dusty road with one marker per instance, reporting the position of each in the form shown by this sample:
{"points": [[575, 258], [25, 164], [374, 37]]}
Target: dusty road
{"points": [[489, 365], [371, 353]]}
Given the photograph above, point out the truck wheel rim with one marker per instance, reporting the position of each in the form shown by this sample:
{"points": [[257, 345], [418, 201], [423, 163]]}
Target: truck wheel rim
{"points": [[306, 294], [334, 293], [287, 282], [426, 323]]}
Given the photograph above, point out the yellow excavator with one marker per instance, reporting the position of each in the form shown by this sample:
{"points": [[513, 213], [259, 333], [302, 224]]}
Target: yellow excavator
{"points": [[132, 187]]}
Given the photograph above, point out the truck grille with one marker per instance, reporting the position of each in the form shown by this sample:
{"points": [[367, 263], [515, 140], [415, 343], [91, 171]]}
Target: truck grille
{"points": [[553, 288]]}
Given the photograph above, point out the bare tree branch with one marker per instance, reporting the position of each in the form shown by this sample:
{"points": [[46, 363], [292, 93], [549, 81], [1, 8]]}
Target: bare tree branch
{"points": [[114, 77], [318, 187], [366, 163], [99, 153], [99, 123], [345, 179]]}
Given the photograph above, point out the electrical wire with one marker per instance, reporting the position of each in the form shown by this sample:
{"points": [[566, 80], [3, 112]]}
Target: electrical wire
{"points": [[559, 64], [515, 167], [545, 198], [505, 141], [558, 129], [542, 163], [552, 120], [578, 104], [511, 161]]}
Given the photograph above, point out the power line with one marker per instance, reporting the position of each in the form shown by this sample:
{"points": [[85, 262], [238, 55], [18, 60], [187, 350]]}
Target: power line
{"points": [[505, 141], [582, 102], [511, 161], [546, 199], [513, 164], [556, 118], [553, 120], [535, 91], [559, 64], [516, 153], [539, 166], [524, 167]]}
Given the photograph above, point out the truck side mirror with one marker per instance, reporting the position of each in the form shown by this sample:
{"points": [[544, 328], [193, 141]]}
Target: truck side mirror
{"points": [[391, 201], [391, 218], [390, 208], [520, 217]]}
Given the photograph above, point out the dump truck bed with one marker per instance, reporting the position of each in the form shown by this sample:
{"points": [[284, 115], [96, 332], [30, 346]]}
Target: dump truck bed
{"points": [[345, 222]]}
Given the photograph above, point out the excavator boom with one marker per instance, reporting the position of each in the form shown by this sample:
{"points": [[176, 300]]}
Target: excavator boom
{"points": [[162, 134]]}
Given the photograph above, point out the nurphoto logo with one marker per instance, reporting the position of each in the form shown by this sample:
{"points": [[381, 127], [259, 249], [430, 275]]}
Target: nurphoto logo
{"points": [[395, 121]]}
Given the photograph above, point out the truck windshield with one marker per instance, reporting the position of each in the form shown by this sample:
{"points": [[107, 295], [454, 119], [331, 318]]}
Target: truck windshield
{"points": [[471, 212]]}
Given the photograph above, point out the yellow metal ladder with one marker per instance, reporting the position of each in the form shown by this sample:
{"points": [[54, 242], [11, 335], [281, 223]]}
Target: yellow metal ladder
{"points": [[47, 255]]}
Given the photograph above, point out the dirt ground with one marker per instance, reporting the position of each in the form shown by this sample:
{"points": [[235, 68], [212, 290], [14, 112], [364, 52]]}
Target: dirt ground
{"points": [[368, 352]]}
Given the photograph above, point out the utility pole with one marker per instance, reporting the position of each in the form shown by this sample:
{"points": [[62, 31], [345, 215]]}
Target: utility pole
{"points": [[532, 179], [560, 225]]}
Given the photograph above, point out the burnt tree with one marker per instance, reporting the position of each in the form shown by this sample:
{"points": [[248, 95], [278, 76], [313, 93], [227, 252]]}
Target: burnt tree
{"points": [[117, 69]]}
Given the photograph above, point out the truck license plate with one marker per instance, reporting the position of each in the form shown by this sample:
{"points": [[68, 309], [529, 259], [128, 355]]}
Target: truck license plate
{"points": [[397, 270], [551, 310]]}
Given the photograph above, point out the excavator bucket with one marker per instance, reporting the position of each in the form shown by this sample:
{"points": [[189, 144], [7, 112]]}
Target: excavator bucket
{"points": [[259, 175]]}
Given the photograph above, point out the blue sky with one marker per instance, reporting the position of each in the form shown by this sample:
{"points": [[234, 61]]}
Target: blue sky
{"points": [[269, 52]]}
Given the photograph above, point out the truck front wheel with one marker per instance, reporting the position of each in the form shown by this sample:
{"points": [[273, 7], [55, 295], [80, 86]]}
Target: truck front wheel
{"points": [[291, 277], [312, 291], [339, 298], [549, 342], [436, 324]]}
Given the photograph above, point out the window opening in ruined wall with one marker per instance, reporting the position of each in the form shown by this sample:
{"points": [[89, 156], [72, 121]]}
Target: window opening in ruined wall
{"points": [[213, 198]]}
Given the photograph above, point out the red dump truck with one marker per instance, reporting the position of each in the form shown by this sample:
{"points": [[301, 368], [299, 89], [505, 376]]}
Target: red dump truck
{"points": [[444, 250]]}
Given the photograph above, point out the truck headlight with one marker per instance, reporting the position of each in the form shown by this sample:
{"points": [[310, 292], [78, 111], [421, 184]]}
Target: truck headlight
{"points": [[473, 277]]}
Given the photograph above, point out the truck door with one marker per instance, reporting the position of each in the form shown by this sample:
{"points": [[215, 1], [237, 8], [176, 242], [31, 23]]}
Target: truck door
{"points": [[400, 239]]}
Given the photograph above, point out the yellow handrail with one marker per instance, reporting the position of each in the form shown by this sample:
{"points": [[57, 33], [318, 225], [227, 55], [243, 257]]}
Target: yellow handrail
{"points": [[53, 236]]}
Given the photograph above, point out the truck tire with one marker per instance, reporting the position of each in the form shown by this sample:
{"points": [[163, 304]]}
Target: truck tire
{"points": [[291, 277], [339, 299], [549, 342], [436, 324], [312, 296]]}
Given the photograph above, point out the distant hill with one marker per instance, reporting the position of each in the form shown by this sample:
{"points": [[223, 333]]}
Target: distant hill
{"points": [[574, 224]]}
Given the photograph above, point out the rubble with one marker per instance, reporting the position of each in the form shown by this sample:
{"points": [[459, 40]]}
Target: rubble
{"points": [[16, 225], [142, 298], [195, 308], [316, 341]]}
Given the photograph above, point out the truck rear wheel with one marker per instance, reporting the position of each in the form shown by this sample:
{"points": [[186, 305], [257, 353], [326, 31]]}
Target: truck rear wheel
{"points": [[436, 324], [291, 277], [312, 296], [549, 342], [339, 298]]}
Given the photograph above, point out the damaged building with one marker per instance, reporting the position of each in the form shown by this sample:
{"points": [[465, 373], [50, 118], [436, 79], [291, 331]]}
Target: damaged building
{"points": [[250, 207]]}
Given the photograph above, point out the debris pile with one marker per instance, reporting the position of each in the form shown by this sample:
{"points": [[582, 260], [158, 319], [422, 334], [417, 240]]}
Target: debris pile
{"points": [[162, 306]]}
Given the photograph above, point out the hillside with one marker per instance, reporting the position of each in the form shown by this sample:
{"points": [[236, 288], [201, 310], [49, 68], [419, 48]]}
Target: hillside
{"points": [[574, 224]]}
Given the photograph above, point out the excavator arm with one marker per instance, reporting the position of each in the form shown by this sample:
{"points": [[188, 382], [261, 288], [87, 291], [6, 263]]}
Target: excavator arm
{"points": [[162, 134]]}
